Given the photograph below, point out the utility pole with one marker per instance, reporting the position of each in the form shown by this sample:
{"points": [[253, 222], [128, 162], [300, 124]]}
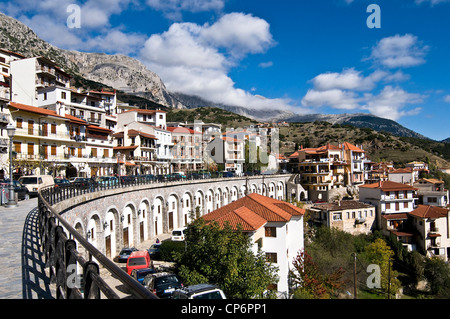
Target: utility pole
{"points": [[389, 278], [355, 294]]}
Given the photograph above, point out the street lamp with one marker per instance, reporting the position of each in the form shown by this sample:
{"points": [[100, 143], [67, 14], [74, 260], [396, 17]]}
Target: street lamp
{"points": [[12, 198]]}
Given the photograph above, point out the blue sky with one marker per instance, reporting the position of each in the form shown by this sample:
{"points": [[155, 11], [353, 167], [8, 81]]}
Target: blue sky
{"points": [[302, 56]]}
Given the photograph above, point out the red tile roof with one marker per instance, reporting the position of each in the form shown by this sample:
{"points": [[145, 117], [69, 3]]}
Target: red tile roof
{"points": [[425, 211], [33, 109], [251, 210], [389, 186], [352, 147]]}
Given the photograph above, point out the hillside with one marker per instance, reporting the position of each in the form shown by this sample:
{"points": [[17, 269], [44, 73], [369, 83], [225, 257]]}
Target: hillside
{"points": [[210, 115], [380, 146]]}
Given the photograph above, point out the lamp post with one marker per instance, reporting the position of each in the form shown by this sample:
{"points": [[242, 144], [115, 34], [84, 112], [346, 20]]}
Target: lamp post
{"points": [[12, 198]]}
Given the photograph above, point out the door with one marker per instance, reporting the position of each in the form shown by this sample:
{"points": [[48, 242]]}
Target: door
{"points": [[44, 129], [45, 151], [170, 220], [125, 237], [108, 246], [141, 231]]}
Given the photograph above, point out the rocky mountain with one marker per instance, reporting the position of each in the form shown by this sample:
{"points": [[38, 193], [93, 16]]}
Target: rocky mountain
{"points": [[133, 79], [117, 71]]}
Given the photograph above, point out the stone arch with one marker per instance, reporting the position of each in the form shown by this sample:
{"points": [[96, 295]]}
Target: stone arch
{"points": [[187, 208], [271, 190], [94, 230], [226, 196], [143, 218], [172, 205], [199, 206], [158, 208], [243, 191], [111, 231], [218, 198], [128, 219], [234, 193], [253, 188], [280, 191], [209, 201]]}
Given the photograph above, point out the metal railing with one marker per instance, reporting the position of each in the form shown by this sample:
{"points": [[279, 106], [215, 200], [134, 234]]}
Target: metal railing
{"points": [[60, 241]]}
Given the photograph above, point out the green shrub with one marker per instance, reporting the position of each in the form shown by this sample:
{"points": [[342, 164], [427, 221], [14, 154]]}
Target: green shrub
{"points": [[170, 250]]}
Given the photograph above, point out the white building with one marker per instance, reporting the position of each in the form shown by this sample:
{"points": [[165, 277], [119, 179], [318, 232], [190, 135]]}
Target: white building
{"points": [[152, 123], [393, 201], [432, 225], [432, 192], [274, 226]]}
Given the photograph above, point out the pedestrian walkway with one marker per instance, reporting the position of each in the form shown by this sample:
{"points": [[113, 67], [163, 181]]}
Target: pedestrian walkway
{"points": [[22, 268]]}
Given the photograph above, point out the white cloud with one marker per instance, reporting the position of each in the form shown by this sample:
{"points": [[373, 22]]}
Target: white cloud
{"points": [[432, 2], [348, 79], [351, 90], [266, 65], [335, 98], [399, 52], [239, 33], [195, 59], [390, 103], [173, 8], [48, 18], [447, 98]]}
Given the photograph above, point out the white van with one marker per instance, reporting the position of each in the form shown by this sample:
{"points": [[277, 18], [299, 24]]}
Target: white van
{"points": [[178, 234], [35, 182]]}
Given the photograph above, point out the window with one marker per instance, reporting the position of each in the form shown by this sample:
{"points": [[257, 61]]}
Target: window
{"points": [[270, 231], [337, 216], [63, 95], [19, 123], [30, 149], [17, 147], [53, 149], [30, 127], [271, 257], [53, 128]]}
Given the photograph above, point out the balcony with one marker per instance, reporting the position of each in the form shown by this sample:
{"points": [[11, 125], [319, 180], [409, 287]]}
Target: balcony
{"points": [[41, 134]]}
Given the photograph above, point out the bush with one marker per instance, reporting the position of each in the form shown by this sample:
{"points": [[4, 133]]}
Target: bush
{"points": [[170, 250]]}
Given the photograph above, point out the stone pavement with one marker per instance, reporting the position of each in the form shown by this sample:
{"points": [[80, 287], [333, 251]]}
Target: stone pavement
{"points": [[22, 272]]}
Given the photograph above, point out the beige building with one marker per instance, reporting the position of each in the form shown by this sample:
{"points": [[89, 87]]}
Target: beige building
{"points": [[432, 192], [432, 235], [347, 215]]}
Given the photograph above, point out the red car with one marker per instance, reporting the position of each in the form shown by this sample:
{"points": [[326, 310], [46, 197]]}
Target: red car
{"points": [[137, 260]]}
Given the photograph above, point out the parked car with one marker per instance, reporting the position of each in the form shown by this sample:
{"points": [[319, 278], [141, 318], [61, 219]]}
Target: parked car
{"points": [[155, 251], [19, 189], [125, 253], [200, 291], [35, 182], [107, 180], [137, 260], [81, 181], [61, 182], [178, 234], [139, 274], [162, 284]]}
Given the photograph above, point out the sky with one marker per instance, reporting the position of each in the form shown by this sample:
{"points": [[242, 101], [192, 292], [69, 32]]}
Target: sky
{"points": [[388, 58]]}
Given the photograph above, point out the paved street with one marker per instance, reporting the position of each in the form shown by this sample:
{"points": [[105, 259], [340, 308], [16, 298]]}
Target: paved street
{"points": [[22, 273]]}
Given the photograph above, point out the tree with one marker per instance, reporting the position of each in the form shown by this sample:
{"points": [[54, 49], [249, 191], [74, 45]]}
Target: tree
{"points": [[311, 282], [379, 253], [437, 273], [223, 256]]}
